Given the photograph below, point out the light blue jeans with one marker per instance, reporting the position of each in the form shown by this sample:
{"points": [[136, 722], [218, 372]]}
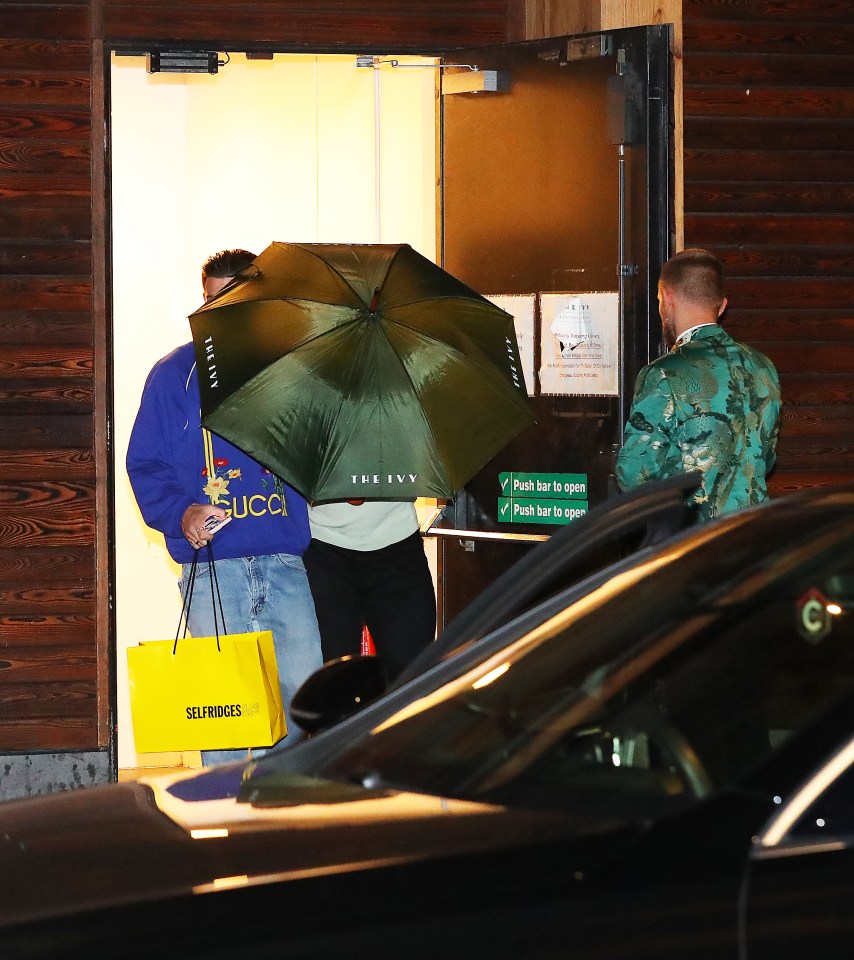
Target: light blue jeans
{"points": [[260, 593]]}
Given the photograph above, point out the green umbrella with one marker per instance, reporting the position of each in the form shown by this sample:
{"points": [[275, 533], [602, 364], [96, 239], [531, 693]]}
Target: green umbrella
{"points": [[359, 371]]}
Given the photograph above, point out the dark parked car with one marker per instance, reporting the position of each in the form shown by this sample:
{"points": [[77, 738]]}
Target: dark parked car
{"points": [[654, 761]]}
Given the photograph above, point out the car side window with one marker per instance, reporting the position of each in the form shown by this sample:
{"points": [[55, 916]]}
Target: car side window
{"points": [[728, 677], [678, 677]]}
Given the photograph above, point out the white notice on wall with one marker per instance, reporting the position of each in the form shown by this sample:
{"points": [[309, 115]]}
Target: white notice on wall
{"points": [[522, 308], [580, 344]]}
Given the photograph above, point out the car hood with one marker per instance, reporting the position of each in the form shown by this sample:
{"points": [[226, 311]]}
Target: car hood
{"points": [[227, 827]]}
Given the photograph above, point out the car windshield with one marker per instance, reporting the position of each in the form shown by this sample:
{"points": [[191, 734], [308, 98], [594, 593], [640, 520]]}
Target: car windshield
{"points": [[667, 682]]}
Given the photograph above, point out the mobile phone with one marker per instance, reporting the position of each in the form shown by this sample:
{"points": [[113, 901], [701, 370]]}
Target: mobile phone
{"points": [[213, 523]]}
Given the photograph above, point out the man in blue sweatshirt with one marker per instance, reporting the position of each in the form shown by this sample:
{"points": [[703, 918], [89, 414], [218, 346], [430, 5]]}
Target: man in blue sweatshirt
{"points": [[181, 475]]}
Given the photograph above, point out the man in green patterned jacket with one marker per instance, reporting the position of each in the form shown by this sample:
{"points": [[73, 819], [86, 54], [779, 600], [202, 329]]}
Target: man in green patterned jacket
{"points": [[711, 404]]}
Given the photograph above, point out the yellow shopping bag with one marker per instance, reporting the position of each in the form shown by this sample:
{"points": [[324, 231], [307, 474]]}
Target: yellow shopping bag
{"points": [[205, 693]]}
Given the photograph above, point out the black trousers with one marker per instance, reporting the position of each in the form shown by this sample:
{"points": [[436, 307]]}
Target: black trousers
{"points": [[390, 590]]}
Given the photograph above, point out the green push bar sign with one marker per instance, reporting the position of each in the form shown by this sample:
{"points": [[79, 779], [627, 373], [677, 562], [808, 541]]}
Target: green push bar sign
{"points": [[542, 497]]}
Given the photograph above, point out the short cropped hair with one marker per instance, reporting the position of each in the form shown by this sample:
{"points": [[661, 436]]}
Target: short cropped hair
{"points": [[696, 275], [226, 263]]}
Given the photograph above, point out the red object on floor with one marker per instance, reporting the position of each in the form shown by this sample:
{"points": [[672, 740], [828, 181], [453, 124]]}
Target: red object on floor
{"points": [[367, 643]]}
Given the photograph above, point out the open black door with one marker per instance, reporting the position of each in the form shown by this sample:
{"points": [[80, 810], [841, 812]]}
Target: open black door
{"points": [[556, 179]]}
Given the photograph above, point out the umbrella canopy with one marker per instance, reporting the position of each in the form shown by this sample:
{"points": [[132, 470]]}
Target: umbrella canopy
{"points": [[359, 371]]}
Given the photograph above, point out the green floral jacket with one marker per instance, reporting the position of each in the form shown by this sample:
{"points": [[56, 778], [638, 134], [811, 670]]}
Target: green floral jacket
{"points": [[713, 405]]}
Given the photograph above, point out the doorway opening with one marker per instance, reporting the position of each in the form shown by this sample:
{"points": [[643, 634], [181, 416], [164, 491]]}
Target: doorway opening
{"points": [[547, 173], [294, 148]]}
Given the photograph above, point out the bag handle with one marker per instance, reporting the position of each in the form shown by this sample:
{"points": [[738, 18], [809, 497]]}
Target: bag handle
{"points": [[216, 598]]}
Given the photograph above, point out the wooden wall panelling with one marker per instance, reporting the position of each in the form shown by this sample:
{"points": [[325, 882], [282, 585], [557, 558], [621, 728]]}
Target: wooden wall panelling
{"points": [[537, 19], [49, 688], [769, 186], [323, 25], [797, 14]]}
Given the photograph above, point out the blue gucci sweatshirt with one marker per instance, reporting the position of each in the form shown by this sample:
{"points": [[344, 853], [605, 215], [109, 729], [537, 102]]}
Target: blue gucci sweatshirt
{"points": [[167, 468]]}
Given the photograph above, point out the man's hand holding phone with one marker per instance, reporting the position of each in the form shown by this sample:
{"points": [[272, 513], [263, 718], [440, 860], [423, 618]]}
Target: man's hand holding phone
{"points": [[213, 523]]}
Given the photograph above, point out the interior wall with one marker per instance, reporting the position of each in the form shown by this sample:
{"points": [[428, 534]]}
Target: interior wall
{"points": [[299, 148]]}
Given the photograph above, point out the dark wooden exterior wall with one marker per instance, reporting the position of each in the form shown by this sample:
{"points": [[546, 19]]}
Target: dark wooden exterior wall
{"points": [[53, 659], [769, 186]]}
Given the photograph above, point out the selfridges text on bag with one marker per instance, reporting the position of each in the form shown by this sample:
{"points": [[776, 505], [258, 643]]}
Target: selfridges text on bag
{"points": [[205, 693]]}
